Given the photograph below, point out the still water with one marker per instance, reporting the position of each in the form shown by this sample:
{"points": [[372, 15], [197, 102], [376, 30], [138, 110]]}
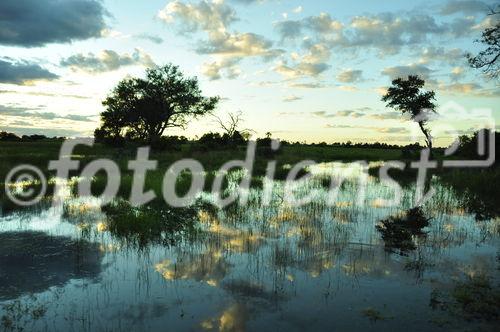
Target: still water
{"points": [[339, 267]]}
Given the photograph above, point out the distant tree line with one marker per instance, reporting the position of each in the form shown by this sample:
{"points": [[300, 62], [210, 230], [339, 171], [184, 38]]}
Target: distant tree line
{"points": [[11, 137]]}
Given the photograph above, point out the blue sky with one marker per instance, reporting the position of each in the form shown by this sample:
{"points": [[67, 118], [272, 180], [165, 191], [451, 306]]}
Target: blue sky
{"points": [[306, 71]]}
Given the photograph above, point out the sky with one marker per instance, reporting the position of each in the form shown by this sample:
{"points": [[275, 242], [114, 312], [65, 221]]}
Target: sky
{"points": [[308, 71]]}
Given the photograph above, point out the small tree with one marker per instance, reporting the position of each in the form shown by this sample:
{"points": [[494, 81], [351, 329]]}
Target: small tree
{"points": [[487, 60], [407, 96], [143, 108], [231, 126]]}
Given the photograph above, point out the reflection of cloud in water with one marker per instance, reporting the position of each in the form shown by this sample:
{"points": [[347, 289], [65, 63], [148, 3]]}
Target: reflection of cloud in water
{"points": [[141, 312], [250, 290], [210, 267], [233, 318], [34, 261], [235, 240]]}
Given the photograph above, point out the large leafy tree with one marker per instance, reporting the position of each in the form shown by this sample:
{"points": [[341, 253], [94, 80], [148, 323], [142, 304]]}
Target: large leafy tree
{"points": [[487, 59], [143, 108], [408, 97]]}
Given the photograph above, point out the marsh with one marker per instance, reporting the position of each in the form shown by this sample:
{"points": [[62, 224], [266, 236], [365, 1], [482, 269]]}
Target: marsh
{"points": [[253, 266]]}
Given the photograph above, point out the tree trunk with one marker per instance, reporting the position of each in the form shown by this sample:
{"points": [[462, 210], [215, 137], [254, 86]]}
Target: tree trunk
{"points": [[428, 138]]}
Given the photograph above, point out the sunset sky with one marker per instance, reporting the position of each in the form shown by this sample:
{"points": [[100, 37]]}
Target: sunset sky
{"points": [[304, 70]]}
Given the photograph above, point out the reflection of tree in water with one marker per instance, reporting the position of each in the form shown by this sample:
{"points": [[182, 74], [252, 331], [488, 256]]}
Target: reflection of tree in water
{"points": [[400, 232], [32, 262], [154, 223]]}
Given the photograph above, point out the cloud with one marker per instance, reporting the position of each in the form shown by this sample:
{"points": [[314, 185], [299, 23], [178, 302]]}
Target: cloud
{"points": [[393, 130], [388, 32], [107, 60], [350, 113], [350, 76], [33, 23], [386, 116], [332, 126], [248, 2], [298, 10], [227, 47], [34, 113], [456, 73], [224, 67], [207, 16], [321, 24], [152, 38], [472, 89], [306, 85], [289, 99], [384, 130], [353, 113], [239, 45], [313, 63], [405, 71], [23, 72], [289, 30], [44, 94], [301, 69], [360, 112], [468, 7], [432, 54]]}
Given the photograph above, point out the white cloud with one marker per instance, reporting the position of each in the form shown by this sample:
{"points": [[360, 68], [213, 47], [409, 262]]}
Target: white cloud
{"points": [[292, 98], [227, 47], [350, 76], [213, 17], [405, 71], [107, 60]]}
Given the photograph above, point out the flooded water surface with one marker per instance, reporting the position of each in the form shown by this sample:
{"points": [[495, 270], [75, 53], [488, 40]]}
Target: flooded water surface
{"points": [[349, 266]]}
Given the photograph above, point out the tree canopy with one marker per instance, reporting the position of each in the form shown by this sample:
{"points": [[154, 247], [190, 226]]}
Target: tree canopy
{"points": [[407, 96], [143, 108]]}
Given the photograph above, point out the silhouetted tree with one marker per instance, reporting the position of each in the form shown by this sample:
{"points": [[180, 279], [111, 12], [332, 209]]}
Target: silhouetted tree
{"points": [[231, 126], [10, 137], [144, 108], [487, 60], [407, 96]]}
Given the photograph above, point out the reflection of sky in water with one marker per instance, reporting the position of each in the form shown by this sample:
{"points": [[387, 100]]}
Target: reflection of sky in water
{"points": [[278, 267]]}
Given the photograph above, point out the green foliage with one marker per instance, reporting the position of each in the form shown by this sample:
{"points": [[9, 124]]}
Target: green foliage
{"points": [[142, 109], [152, 223], [407, 96]]}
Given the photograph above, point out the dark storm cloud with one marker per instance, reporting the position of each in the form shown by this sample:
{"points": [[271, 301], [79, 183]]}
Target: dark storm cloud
{"points": [[22, 72], [31, 23]]}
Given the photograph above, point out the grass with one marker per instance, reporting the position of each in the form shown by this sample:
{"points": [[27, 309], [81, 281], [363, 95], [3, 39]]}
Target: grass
{"points": [[475, 185], [474, 298], [40, 153], [152, 223], [478, 298]]}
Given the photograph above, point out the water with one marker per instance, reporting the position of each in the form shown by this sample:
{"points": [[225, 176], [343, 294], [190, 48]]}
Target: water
{"points": [[277, 267]]}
